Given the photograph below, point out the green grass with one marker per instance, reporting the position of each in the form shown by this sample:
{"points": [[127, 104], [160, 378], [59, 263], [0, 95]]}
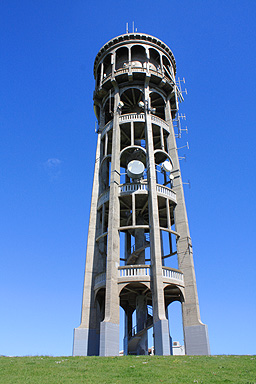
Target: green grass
{"points": [[128, 370]]}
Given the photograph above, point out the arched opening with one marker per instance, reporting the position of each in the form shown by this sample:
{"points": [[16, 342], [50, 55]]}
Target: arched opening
{"points": [[122, 58], [163, 175], [131, 98], [158, 103], [136, 301], [168, 69], [98, 75], [109, 109], [174, 315], [139, 58], [107, 69], [154, 61], [105, 173]]}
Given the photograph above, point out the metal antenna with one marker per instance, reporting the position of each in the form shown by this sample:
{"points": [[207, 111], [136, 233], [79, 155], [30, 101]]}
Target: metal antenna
{"points": [[188, 183], [133, 27], [184, 146], [127, 30]]}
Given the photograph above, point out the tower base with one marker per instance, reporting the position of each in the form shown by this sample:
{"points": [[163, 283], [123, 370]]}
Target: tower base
{"points": [[109, 339], [86, 342], [162, 338], [197, 340]]}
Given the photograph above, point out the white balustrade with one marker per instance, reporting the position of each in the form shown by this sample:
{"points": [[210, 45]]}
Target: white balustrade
{"points": [[140, 272], [134, 187], [132, 116], [166, 191], [172, 274], [159, 121], [134, 271], [127, 188]]}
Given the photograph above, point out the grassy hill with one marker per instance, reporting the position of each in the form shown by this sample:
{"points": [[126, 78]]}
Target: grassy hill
{"points": [[128, 370]]}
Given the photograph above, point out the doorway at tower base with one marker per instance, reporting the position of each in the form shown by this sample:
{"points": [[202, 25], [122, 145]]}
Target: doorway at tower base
{"points": [[197, 340]]}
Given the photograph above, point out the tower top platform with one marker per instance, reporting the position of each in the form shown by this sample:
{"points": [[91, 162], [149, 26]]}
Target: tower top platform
{"points": [[133, 38]]}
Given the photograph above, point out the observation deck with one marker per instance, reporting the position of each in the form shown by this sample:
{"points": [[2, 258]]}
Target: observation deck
{"points": [[138, 188], [141, 274]]}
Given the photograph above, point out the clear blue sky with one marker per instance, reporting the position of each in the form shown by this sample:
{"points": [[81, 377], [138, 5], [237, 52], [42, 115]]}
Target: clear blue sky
{"points": [[48, 149]]}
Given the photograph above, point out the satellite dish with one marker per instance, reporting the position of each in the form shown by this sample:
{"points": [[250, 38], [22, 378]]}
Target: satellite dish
{"points": [[135, 169], [167, 166], [171, 177]]}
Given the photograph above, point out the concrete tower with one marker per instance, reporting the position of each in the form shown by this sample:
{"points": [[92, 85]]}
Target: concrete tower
{"points": [[138, 221]]}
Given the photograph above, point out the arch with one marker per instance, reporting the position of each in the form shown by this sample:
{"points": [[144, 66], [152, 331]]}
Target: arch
{"points": [[168, 69], [109, 108], [138, 55], [98, 75], [107, 66], [158, 102], [173, 293], [131, 97], [100, 302], [136, 288], [161, 156], [122, 58], [154, 59], [133, 152]]}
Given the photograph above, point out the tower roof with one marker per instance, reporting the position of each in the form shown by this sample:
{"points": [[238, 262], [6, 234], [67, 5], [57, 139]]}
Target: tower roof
{"points": [[130, 37]]}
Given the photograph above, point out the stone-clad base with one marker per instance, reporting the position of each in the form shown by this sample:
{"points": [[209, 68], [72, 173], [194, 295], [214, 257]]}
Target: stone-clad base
{"points": [[162, 338], [109, 339], [197, 340], [86, 342]]}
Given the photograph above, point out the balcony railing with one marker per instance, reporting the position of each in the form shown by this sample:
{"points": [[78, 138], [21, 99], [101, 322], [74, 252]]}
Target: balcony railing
{"points": [[131, 273], [172, 274], [131, 117], [139, 187], [127, 188], [166, 192]]}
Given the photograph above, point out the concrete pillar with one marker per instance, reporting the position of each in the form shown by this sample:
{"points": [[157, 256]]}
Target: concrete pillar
{"points": [[195, 332], [109, 328], [86, 338], [161, 328], [141, 319]]}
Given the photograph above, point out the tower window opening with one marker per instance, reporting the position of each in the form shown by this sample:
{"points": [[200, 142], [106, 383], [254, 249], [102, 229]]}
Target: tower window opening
{"points": [[107, 66], [125, 135], [155, 63], [109, 109], [157, 137], [122, 58], [158, 103], [138, 55], [131, 98]]}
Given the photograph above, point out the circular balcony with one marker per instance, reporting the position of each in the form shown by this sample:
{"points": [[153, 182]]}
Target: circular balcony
{"points": [[137, 188], [141, 274]]}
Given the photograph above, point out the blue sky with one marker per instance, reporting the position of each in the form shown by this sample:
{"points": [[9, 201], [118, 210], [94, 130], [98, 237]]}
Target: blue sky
{"points": [[48, 149]]}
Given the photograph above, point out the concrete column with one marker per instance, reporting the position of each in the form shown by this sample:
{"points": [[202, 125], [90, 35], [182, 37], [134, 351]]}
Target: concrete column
{"points": [[86, 339], [141, 319], [109, 328], [139, 243], [195, 332], [161, 329]]}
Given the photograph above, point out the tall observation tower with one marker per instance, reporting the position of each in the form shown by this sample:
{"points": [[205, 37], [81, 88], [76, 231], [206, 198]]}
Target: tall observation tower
{"points": [[138, 224]]}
